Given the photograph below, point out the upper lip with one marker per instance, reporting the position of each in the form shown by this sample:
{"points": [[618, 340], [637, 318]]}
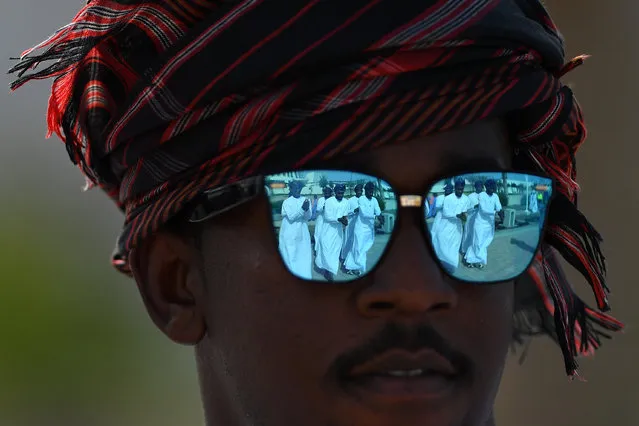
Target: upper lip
{"points": [[428, 360]]}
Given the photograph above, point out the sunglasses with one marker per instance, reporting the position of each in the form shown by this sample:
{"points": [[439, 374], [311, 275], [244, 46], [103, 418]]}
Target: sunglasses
{"points": [[336, 225]]}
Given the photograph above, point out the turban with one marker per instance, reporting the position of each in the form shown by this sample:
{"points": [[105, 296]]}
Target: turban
{"points": [[158, 100]]}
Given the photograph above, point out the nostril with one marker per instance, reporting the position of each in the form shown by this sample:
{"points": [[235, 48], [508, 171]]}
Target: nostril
{"points": [[440, 306], [382, 306]]}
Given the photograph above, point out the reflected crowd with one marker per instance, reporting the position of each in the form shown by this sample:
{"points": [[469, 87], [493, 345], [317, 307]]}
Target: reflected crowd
{"points": [[350, 234]]}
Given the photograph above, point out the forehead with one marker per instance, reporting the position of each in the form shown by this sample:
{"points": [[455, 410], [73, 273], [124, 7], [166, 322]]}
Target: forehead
{"points": [[410, 165]]}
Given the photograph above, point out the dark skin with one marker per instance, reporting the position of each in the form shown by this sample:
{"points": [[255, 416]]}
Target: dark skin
{"points": [[266, 343], [328, 192]]}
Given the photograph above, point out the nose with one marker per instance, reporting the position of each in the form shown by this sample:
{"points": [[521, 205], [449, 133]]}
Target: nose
{"points": [[409, 281]]}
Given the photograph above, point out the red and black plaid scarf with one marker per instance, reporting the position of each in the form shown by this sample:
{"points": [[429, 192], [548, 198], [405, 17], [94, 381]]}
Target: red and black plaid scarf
{"points": [[275, 83]]}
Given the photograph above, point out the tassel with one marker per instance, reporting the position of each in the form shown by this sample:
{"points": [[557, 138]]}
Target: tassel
{"points": [[579, 329], [558, 313], [579, 243], [571, 65]]}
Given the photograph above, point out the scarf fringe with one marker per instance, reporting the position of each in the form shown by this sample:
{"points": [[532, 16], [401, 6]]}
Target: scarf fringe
{"points": [[68, 55], [67, 49], [588, 331], [580, 244]]}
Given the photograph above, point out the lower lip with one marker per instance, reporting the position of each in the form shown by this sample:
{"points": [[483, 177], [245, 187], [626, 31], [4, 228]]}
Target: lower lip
{"points": [[403, 389]]}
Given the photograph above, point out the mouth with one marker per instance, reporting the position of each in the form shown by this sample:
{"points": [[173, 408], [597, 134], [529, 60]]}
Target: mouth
{"points": [[400, 376]]}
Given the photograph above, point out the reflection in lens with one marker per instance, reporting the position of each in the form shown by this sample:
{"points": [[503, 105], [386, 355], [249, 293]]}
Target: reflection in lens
{"points": [[485, 227], [349, 215]]}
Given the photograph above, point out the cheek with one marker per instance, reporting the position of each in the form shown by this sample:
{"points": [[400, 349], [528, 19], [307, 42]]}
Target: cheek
{"points": [[266, 327], [487, 315], [486, 318], [255, 306]]}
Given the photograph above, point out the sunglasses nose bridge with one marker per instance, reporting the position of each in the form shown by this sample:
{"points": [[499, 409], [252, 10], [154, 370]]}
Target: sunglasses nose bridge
{"points": [[410, 200], [409, 279]]}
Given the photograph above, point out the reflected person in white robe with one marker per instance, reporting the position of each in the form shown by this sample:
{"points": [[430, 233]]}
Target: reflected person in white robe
{"points": [[439, 204], [319, 215], [353, 204], [533, 206], [295, 239], [363, 231], [473, 199], [426, 210], [429, 206], [448, 235], [484, 228], [332, 236]]}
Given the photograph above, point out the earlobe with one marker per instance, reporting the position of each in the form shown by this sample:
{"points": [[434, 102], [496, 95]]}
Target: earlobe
{"points": [[168, 274]]}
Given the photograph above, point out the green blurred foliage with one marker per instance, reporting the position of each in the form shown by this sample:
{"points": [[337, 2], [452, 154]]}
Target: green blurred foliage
{"points": [[76, 346]]}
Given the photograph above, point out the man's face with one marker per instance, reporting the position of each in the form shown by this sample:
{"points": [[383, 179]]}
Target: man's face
{"points": [[327, 192], [368, 191], [490, 188], [339, 193], [358, 191], [459, 189], [479, 187], [273, 350]]}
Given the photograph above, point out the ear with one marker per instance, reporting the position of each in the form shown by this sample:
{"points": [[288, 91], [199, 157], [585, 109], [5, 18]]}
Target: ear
{"points": [[168, 272]]}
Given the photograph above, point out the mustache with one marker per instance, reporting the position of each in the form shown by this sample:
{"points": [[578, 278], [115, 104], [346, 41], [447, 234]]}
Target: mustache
{"points": [[409, 338]]}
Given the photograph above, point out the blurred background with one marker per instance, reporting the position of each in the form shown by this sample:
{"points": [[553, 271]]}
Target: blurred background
{"points": [[76, 347]]}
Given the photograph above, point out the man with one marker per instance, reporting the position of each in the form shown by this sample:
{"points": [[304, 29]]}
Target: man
{"points": [[314, 206], [484, 228], [335, 222], [178, 109], [473, 201], [295, 239], [437, 210], [533, 206], [363, 231], [319, 215], [429, 206], [448, 235], [353, 211]]}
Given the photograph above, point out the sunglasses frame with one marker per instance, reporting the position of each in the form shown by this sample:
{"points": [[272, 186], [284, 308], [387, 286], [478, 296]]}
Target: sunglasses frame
{"points": [[235, 194]]}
